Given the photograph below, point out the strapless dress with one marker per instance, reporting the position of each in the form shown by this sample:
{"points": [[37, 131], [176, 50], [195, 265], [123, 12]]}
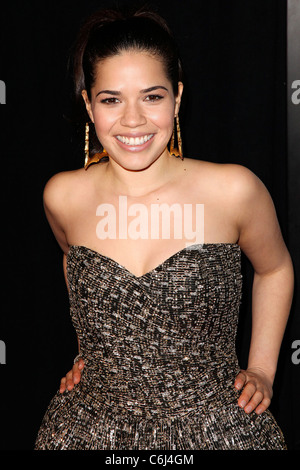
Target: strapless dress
{"points": [[160, 357]]}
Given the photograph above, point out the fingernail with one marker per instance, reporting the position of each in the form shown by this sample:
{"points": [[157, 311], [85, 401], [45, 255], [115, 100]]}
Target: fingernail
{"points": [[242, 403]]}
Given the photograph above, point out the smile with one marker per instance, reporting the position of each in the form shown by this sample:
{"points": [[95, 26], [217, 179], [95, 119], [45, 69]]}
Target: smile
{"points": [[134, 140]]}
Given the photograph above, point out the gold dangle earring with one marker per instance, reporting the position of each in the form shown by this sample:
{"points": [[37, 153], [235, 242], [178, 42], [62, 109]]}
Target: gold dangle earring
{"points": [[97, 156], [176, 151]]}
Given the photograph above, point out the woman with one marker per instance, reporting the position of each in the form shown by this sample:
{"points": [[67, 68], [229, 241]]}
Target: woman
{"points": [[156, 311]]}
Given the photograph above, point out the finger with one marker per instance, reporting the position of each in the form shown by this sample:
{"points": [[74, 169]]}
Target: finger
{"points": [[247, 394], [240, 380], [69, 380], [70, 384], [80, 364], [263, 405], [254, 402], [76, 371], [62, 387], [76, 376]]}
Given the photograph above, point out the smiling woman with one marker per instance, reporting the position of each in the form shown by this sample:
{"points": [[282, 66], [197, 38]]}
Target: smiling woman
{"points": [[157, 319], [108, 37], [132, 123]]}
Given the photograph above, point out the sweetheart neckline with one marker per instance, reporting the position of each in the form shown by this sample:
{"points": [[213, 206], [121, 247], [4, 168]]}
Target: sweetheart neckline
{"points": [[111, 260]]}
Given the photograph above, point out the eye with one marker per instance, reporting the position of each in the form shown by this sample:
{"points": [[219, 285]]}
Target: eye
{"points": [[154, 98], [110, 100]]}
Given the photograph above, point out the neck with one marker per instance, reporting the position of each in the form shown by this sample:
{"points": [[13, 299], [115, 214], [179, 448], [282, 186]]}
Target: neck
{"points": [[138, 183]]}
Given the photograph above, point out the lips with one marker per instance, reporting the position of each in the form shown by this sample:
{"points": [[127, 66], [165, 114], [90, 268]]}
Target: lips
{"points": [[134, 141]]}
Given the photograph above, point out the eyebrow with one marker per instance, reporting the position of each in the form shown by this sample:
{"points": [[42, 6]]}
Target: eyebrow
{"points": [[146, 90]]}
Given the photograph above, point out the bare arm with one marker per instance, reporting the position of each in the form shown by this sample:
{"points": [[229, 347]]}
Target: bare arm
{"points": [[262, 242], [57, 208]]}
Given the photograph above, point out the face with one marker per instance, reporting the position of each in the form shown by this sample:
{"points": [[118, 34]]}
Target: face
{"points": [[133, 108]]}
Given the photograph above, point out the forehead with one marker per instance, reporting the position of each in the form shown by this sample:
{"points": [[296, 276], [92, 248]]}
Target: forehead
{"points": [[131, 67]]}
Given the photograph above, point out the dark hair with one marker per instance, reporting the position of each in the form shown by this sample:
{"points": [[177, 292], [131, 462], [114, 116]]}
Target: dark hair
{"points": [[110, 32]]}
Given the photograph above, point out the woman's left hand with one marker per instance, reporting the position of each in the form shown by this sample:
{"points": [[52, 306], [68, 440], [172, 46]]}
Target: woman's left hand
{"points": [[257, 390]]}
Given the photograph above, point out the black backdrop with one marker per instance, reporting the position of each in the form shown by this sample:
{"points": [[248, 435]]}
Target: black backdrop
{"points": [[234, 111]]}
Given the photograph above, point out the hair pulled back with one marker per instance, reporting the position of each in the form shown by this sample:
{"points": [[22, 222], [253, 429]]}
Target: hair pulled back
{"points": [[110, 32], [107, 33]]}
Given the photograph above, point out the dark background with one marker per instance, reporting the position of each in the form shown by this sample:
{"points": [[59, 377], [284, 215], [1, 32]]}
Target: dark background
{"points": [[234, 111]]}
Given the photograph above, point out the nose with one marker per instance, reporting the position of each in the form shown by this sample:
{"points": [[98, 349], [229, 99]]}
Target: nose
{"points": [[133, 116]]}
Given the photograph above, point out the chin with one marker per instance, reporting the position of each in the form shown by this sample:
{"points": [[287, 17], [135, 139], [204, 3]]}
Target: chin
{"points": [[136, 164], [136, 167]]}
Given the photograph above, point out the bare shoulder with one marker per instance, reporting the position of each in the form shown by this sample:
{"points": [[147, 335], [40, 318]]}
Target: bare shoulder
{"points": [[60, 188], [241, 180], [228, 172], [63, 182], [231, 180], [59, 200]]}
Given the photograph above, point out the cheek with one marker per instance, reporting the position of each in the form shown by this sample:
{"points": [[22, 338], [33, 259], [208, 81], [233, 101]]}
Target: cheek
{"points": [[167, 125], [164, 120], [103, 123]]}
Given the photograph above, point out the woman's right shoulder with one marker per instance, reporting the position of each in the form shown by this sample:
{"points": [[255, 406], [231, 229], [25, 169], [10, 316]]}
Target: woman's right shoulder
{"points": [[60, 189], [62, 184]]}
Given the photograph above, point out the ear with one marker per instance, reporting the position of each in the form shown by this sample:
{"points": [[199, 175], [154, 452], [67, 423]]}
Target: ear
{"points": [[178, 98], [87, 104]]}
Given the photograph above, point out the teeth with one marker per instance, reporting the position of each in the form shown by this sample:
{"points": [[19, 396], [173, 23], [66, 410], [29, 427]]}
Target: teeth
{"points": [[134, 140]]}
